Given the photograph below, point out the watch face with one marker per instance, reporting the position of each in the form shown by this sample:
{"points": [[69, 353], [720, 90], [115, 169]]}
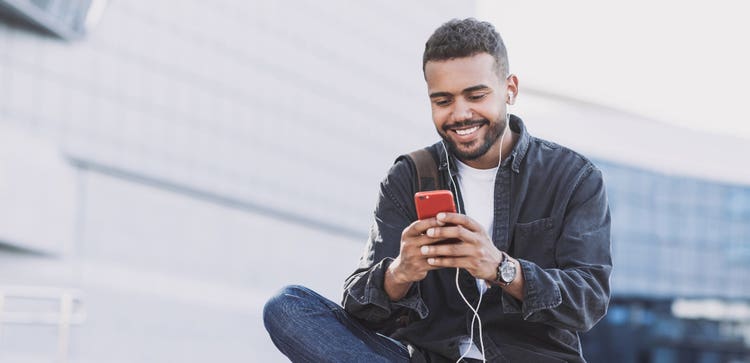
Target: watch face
{"points": [[507, 271]]}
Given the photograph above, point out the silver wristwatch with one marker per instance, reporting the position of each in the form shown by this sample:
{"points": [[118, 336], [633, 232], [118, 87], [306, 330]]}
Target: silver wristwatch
{"points": [[506, 271]]}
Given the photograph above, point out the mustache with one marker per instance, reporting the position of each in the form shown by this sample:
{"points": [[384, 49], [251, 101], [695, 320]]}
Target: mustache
{"points": [[465, 124]]}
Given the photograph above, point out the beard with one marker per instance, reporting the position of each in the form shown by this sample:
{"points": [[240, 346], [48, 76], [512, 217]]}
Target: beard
{"points": [[494, 131]]}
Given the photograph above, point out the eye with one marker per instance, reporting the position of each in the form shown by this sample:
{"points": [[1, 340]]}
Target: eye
{"points": [[477, 97], [442, 102]]}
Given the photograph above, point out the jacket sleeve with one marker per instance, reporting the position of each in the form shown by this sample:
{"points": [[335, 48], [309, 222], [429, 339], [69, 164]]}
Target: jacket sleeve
{"points": [[575, 295], [364, 294]]}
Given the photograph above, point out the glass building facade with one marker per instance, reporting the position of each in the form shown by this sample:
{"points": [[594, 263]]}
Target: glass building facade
{"points": [[675, 239], [678, 237]]}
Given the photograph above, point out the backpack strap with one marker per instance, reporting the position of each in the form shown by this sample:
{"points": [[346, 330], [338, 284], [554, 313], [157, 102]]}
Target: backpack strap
{"points": [[425, 164]]}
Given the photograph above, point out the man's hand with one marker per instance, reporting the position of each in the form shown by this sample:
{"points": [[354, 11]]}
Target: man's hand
{"points": [[475, 252], [411, 265], [419, 254]]}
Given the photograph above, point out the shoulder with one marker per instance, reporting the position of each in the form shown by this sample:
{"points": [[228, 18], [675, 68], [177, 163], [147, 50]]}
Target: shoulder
{"points": [[399, 185], [400, 175], [433, 150], [550, 158], [405, 168], [553, 152]]}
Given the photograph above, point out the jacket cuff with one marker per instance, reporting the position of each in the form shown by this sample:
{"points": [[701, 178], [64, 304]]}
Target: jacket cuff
{"points": [[375, 293], [413, 301], [538, 294]]}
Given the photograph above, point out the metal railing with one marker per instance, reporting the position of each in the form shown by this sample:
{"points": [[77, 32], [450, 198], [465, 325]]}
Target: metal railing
{"points": [[69, 311]]}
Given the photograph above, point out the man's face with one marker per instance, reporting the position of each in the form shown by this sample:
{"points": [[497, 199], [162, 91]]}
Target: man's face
{"points": [[468, 100]]}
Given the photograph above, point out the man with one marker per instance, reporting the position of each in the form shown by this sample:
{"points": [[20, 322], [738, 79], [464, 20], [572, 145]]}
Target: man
{"points": [[533, 240]]}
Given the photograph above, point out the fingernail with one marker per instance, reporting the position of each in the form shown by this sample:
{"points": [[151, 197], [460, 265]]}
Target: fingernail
{"points": [[440, 215], [425, 250], [431, 232], [431, 261]]}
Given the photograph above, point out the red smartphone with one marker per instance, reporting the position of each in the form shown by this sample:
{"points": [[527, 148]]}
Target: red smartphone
{"points": [[429, 204]]}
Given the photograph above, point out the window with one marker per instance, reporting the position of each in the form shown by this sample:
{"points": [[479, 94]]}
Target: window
{"points": [[68, 19]]}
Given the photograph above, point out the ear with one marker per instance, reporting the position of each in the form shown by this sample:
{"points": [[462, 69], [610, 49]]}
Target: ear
{"points": [[512, 88]]}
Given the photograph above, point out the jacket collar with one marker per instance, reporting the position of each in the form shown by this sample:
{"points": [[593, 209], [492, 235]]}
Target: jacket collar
{"points": [[516, 156]]}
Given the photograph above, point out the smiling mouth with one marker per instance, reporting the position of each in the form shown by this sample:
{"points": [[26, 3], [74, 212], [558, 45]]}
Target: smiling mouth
{"points": [[468, 131], [466, 128]]}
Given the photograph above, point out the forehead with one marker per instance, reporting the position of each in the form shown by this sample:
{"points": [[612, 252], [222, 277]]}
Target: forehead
{"points": [[454, 75]]}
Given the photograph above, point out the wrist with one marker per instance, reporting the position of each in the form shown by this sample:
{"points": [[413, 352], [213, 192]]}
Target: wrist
{"points": [[507, 271], [394, 274], [396, 286], [491, 276]]}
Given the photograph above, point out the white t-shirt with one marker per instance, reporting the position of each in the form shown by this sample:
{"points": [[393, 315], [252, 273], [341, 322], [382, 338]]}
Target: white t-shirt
{"points": [[477, 192]]}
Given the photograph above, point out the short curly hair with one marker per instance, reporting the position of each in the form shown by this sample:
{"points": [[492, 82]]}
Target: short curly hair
{"points": [[464, 38]]}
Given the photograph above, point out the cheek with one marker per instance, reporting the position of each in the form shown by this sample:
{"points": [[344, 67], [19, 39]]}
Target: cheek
{"points": [[500, 107], [492, 111], [440, 116]]}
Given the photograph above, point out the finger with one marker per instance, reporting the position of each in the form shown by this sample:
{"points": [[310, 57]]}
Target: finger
{"points": [[448, 250], [419, 227], [461, 262], [413, 245], [460, 220], [460, 232]]}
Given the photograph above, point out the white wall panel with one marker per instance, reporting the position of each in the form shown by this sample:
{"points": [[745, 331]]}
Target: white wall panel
{"points": [[227, 148], [38, 194]]}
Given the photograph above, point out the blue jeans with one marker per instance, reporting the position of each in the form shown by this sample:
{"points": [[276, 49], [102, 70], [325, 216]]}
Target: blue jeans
{"points": [[307, 327]]}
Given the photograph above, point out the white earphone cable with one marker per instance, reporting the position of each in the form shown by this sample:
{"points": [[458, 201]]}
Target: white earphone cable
{"points": [[473, 319], [476, 317]]}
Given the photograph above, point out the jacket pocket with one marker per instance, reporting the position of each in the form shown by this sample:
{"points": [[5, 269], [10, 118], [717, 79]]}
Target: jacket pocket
{"points": [[535, 241]]}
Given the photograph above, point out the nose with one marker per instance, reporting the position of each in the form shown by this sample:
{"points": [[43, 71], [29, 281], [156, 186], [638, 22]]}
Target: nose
{"points": [[461, 111]]}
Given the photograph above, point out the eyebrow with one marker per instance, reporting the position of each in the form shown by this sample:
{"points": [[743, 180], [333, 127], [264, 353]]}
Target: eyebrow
{"points": [[465, 91], [475, 88]]}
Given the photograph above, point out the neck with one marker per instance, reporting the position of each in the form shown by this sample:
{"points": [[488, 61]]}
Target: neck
{"points": [[491, 159]]}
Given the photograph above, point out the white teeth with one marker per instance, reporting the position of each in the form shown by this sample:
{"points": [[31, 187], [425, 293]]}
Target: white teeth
{"points": [[467, 131]]}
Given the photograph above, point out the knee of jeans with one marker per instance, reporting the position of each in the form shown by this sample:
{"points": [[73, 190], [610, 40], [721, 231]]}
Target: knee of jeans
{"points": [[285, 307]]}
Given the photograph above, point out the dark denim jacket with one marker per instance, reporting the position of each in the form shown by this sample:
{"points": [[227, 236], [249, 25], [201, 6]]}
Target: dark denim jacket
{"points": [[551, 214]]}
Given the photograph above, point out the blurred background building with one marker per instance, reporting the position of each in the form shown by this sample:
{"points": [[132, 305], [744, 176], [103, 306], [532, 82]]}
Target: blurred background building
{"points": [[166, 166]]}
